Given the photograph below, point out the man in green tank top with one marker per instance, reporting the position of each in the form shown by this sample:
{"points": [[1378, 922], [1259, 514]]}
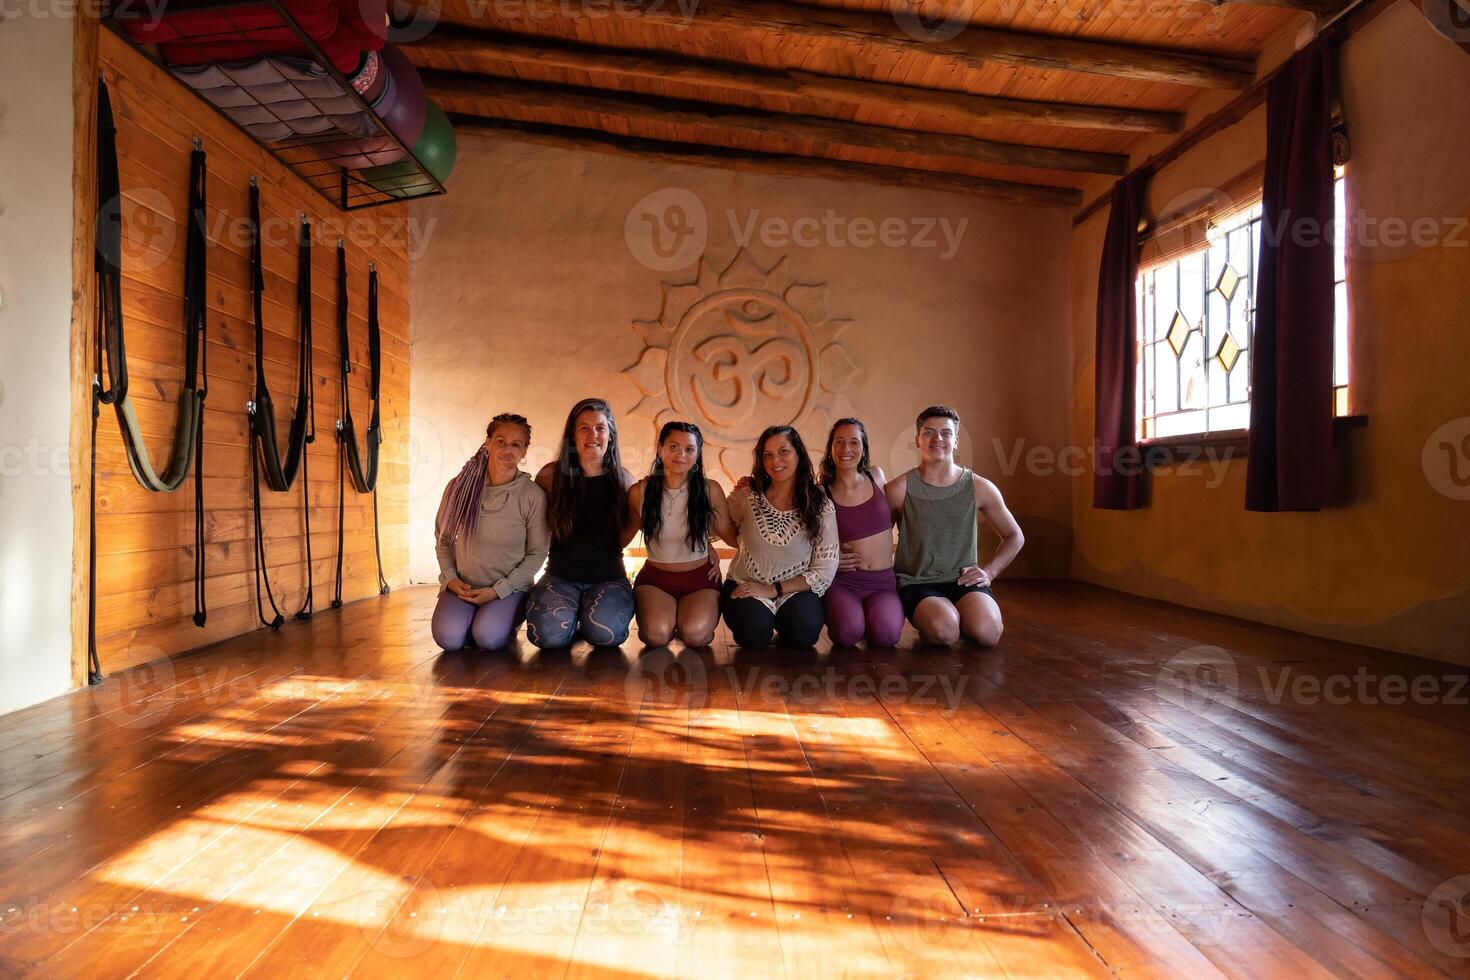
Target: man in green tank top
{"points": [[945, 590]]}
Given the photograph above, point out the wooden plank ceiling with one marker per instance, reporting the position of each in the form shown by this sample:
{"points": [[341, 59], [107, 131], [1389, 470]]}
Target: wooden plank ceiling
{"points": [[1023, 99]]}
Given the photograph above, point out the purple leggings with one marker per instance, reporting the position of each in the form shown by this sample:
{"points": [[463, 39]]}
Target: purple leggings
{"points": [[457, 623], [864, 602]]}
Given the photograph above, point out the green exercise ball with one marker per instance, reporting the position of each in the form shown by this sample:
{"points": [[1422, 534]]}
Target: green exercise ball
{"points": [[435, 150]]}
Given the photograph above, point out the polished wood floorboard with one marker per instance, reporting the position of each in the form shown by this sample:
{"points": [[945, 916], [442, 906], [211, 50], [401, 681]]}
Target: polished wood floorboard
{"points": [[1121, 788]]}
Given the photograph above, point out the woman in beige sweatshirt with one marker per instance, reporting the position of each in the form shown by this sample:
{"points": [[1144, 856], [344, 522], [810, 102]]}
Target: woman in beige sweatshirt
{"points": [[491, 539]]}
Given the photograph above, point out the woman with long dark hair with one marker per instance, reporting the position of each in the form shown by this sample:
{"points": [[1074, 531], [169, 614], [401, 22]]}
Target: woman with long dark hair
{"points": [[490, 537], [680, 511], [585, 590], [863, 599], [788, 547]]}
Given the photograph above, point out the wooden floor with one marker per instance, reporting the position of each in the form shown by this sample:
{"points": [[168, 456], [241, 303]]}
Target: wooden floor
{"points": [[1107, 793]]}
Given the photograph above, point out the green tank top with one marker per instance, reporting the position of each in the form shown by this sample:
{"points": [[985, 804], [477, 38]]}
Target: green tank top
{"points": [[937, 534]]}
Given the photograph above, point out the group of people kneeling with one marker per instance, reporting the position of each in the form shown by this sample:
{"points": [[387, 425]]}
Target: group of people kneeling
{"points": [[814, 546]]}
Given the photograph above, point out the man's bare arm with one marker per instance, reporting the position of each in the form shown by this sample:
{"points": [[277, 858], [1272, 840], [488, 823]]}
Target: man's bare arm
{"points": [[992, 506]]}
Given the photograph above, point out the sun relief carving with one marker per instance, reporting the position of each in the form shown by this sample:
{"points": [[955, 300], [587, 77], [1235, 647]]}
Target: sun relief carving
{"points": [[738, 350]]}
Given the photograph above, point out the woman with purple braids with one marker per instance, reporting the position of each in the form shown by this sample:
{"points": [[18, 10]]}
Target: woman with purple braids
{"points": [[491, 538]]}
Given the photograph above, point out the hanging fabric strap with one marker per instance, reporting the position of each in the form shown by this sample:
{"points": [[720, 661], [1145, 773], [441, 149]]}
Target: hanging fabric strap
{"points": [[350, 460], [279, 474], [111, 363], [303, 306], [264, 449]]}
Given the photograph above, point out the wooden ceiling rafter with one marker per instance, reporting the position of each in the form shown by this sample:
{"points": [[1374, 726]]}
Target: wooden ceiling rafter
{"points": [[970, 47], [786, 165], [934, 110], [507, 98]]}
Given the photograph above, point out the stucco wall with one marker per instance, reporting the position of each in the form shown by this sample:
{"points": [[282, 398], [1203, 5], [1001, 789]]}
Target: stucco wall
{"points": [[530, 275], [1391, 568], [35, 331]]}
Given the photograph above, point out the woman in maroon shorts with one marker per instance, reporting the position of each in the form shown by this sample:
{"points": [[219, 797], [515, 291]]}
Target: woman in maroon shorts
{"points": [[680, 512]]}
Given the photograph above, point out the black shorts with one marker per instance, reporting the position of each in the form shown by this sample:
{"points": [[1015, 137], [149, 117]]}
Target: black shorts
{"points": [[912, 595]]}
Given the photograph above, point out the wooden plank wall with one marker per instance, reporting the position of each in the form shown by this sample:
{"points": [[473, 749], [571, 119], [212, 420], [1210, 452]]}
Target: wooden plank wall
{"points": [[145, 541]]}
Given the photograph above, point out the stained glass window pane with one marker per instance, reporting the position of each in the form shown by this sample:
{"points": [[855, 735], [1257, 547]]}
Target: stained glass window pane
{"points": [[1196, 319]]}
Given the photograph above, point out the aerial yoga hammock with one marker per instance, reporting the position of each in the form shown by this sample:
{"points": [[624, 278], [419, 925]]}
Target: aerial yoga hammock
{"points": [[111, 362], [350, 460], [264, 447]]}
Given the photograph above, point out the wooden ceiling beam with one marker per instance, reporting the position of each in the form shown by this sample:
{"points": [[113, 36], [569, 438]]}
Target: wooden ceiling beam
{"points": [[506, 98], [864, 32], [781, 164], [809, 93], [1323, 8]]}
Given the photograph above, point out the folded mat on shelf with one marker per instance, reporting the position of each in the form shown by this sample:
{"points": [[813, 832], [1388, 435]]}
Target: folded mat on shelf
{"points": [[279, 98], [342, 29]]}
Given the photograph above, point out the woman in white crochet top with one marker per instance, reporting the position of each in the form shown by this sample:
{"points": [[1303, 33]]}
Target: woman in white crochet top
{"points": [[787, 530]]}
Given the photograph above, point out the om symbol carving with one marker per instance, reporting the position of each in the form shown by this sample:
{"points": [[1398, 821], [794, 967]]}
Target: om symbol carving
{"points": [[738, 349], [741, 363]]}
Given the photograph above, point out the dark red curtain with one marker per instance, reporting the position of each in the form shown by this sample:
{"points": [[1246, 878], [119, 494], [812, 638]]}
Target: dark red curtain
{"points": [[1289, 466], [1117, 480]]}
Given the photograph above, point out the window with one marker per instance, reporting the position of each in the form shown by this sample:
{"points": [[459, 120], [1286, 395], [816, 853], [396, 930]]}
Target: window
{"points": [[1195, 319]]}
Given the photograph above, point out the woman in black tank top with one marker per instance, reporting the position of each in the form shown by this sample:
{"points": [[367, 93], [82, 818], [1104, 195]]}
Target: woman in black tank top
{"points": [[585, 591]]}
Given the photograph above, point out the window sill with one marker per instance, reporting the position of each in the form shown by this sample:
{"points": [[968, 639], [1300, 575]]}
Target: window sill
{"points": [[1231, 442]]}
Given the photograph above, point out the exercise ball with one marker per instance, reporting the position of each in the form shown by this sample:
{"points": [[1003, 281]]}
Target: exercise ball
{"points": [[435, 149], [402, 104]]}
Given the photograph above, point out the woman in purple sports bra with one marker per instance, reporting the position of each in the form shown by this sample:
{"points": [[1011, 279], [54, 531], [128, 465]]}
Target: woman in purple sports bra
{"points": [[863, 598]]}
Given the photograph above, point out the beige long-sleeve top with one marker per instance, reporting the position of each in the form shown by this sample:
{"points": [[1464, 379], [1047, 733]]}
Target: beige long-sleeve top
{"points": [[508, 545], [775, 547]]}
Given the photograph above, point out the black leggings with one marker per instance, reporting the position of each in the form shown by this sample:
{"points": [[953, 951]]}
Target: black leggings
{"points": [[798, 622]]}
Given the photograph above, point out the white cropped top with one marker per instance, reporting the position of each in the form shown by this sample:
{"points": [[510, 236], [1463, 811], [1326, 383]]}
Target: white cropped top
{"points": [[671, 547], [775, 547]]}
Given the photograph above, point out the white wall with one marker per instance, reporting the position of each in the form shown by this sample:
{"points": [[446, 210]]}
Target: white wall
{"points": [[35, 326]]}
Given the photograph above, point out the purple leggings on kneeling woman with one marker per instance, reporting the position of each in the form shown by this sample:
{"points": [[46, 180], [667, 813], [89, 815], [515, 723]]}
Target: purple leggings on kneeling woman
{"points": [[457, 623], [864, 603]]}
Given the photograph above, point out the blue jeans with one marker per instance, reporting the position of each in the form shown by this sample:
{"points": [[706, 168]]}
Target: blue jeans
{"points": [[559, 610]]}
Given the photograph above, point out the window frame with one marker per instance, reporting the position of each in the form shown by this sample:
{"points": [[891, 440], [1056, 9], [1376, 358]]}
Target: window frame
{"points": [[1239, 438]]}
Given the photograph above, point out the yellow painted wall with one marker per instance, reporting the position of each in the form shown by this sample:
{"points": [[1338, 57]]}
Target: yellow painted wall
{"points": [[1391, 568]]}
